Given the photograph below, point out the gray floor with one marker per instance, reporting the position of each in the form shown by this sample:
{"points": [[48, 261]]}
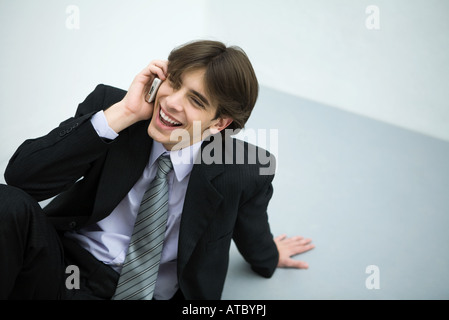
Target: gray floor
{"points": [[366, 192]]}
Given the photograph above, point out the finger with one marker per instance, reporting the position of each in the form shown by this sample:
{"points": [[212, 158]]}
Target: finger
{"points": [[158, 72], [292, 251], [298, 264], [293, 240], [297, 240], [163, 64], [149, 72], [303, 242], [159, 67]]}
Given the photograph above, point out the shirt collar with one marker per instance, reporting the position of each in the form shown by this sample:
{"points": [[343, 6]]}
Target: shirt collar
{"points": [[182, 159]]}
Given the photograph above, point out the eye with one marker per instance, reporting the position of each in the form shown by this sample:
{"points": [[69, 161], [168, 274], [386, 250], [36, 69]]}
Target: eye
{"points": [[197, 102]]}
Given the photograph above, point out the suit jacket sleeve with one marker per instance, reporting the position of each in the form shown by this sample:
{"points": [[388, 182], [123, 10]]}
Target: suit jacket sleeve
{"points": [[46, 166], [252, 234]]}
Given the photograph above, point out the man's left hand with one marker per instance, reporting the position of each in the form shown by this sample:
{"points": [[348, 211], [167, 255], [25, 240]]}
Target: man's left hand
{"points": [[288, 247]]}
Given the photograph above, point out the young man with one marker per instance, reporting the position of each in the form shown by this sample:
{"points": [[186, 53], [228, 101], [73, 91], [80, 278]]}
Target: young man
{"points": [[100, 164]]}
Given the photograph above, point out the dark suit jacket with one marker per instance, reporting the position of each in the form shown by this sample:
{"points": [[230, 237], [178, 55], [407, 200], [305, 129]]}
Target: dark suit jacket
{"points": [[90, 176]]}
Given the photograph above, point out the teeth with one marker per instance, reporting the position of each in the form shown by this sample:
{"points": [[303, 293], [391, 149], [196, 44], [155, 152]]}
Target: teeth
{"points": [[166, 118]]}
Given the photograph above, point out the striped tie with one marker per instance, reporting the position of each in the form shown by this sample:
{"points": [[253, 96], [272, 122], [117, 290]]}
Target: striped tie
{"points": [[139, 272]]}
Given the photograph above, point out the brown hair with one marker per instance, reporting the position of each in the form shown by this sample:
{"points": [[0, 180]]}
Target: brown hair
{"points": [[230, 79]]}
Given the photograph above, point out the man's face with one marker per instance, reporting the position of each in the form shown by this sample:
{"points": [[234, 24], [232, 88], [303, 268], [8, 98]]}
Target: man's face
{"points": [[178, 109]]}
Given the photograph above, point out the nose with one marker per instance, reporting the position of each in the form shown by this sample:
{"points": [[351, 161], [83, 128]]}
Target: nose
{"points": [[173, 101]]}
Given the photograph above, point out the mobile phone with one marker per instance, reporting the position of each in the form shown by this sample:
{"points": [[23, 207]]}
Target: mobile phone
{"points": [[153, 90]]}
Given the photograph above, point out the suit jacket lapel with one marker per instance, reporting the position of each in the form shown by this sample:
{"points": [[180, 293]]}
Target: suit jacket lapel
{"points": [[200, 204], [123, 166]]}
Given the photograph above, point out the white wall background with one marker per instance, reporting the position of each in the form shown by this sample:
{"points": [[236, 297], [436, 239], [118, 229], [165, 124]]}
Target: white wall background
{"points": [[317, 49], [323, 51]]}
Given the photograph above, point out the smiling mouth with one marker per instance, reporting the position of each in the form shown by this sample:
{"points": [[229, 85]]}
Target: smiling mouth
{"points": [[166, 120]]}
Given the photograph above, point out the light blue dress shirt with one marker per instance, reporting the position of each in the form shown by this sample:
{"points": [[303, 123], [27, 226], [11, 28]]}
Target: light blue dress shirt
{"points": [[108, 239]]}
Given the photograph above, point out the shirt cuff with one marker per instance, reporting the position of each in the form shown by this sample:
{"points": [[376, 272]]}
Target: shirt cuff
{"points": [[101, 125]]}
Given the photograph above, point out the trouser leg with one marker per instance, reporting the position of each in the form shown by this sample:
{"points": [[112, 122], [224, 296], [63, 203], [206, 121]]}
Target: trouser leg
{"points": [[32, 261]]}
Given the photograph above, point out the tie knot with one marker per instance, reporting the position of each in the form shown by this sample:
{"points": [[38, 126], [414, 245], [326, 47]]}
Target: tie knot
{"points": [[164, 166]]}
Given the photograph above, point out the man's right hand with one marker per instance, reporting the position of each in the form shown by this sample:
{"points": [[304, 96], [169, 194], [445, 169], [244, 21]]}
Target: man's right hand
{"points": [[134, 107]]}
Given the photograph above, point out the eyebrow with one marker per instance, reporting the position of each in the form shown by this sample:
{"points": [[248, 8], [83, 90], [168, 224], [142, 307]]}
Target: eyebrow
{"points": [[201, 97]]}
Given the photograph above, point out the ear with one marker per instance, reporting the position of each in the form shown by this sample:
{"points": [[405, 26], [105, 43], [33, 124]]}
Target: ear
{"points": [[220, 124]]}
